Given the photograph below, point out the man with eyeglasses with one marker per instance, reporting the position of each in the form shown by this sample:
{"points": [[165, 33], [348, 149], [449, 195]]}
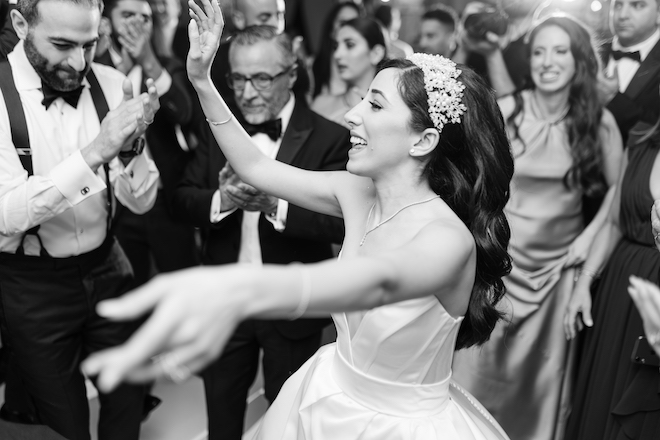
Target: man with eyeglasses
{"points": [[244, 225], [246, 13]]}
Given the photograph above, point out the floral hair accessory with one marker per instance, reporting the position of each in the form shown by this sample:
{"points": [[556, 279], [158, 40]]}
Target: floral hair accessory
{"points": [[442, 87]]}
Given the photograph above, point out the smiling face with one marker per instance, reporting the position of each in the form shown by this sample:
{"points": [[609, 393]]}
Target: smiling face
{"points": [[633, 21], [353, 56], [552, 63], [60, 44], [258, 106], [380, 131]]}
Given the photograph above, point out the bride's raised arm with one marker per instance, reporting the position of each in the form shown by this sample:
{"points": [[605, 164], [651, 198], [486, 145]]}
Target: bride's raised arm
{"points": [[313, 190]]}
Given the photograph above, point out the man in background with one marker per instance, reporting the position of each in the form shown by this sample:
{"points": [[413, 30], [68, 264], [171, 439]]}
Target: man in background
{"points": [[70, 149], [241, 224], [629, 84], [438, 31]]}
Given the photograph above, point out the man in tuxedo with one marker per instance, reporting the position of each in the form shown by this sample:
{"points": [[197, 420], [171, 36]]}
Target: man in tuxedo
{"points": [[248, 13], [155, 241], [629, 85], [244, 225]]}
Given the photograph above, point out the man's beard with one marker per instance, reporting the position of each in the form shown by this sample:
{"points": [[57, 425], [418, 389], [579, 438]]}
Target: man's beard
{"points": [[58, 77]]}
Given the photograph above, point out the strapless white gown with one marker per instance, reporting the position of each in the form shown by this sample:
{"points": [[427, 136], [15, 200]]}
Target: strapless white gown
{"points": [[387, 377]]}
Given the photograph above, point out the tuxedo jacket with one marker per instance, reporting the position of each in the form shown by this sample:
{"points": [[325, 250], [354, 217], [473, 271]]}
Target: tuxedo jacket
{"points": [[641, 100], [176, 108], [309, 142]]}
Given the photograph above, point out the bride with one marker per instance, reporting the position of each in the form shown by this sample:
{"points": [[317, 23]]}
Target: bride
{"points": [[419, 274]]}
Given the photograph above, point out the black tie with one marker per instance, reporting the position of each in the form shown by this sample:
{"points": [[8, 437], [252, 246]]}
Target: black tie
{"points": [[272, 128], [50, 95], [617, 55]]}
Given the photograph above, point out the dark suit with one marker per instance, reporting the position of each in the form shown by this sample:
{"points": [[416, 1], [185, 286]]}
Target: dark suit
{"points": [[310, 142], [640, 101], [158, 235]]}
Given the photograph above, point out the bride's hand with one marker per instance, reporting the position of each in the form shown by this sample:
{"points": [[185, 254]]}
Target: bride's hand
{"points": [[193, 316], [204, 31]]}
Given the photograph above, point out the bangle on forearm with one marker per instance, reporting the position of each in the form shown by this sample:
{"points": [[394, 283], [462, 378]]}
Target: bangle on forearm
{"points": [[216, 123], [593, 274], [305, 294]]}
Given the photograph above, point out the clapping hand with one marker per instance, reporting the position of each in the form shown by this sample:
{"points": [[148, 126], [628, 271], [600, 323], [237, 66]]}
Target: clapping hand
{"points": [[242, 195], [204, 32], [135, 37], [122, 125]]}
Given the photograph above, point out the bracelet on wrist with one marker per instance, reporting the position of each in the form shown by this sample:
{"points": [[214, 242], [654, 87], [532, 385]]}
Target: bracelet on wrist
{"points": [[593, 274], [216, 123]]}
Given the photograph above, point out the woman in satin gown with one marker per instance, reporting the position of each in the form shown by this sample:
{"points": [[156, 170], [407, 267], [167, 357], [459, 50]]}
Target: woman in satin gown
{"points": [[419, 275], [616, 398], [562, 140]]}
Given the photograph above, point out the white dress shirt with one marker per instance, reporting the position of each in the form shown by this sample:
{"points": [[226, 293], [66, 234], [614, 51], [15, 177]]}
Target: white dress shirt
{"points": [[250, 251], [626, 67], [64, 196]]}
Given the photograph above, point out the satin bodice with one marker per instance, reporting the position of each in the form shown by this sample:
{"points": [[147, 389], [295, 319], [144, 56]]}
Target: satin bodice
{"points": [[408, 342]]}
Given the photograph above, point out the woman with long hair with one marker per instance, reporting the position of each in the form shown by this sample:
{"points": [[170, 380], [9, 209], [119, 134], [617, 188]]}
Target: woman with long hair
{"points": [[616, 393], [419, 275], [326, 77], [564, 143], [360, 46]]}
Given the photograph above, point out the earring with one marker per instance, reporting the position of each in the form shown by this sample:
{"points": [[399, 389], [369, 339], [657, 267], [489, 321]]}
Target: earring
{"points": [[412, 151]]}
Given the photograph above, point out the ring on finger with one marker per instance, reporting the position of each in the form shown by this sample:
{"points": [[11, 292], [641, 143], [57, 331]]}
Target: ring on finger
{"points": [[172, 368]]}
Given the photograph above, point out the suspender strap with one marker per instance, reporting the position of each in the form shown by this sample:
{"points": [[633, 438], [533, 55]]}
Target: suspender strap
{"points": [[19, 131], [101, 110], [21, 138]]}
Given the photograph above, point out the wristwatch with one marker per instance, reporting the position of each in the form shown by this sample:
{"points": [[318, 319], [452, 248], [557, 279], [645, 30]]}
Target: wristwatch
{"points": [[136, 149]]}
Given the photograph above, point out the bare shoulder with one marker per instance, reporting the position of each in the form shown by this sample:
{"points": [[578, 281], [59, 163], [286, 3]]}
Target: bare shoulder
{"points": [[449, 237]]}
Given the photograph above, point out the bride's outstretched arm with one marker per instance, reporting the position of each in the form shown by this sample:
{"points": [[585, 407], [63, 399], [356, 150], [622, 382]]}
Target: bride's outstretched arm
{"points": [[312, 190], [196, 311]]}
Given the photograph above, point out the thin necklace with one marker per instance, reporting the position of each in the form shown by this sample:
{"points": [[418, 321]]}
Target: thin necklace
{"points": [[368, 231]]}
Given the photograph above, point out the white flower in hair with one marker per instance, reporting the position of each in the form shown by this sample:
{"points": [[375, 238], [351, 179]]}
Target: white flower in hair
{"points": [[444, 91]]}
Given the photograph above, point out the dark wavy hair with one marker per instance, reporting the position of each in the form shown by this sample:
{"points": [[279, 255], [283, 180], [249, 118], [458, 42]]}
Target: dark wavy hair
{"points": [[323, 60], [471, 169], [370, 29], [584, 112]]}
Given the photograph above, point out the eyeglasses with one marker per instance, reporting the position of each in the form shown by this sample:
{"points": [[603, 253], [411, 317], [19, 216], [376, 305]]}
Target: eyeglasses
{"points": [[260, 81]]}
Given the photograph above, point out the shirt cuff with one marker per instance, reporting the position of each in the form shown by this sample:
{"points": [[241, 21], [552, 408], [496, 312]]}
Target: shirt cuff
{"points": [[136, 172], [216, 215], [278, 218], [75, 179], [163, 83]]}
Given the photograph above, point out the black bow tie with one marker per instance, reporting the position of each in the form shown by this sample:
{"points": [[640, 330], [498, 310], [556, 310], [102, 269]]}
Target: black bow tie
{"points": [[272, 128], [50, 95], [617, 55]]}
